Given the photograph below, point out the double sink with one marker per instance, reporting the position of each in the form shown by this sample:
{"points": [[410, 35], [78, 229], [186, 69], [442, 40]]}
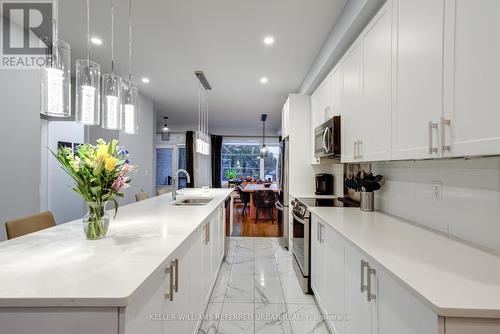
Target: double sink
{"points": [[192, 201]]}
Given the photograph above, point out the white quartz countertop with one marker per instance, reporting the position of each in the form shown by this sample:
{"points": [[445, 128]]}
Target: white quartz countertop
{"points": [[59, 267], [312, 195], [452, 278]]}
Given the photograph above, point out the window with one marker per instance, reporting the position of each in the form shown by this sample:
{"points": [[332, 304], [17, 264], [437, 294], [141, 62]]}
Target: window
{"points": [[241, 157], [169, 159]]}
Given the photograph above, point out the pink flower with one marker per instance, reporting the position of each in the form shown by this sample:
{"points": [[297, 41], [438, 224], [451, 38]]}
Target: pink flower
{"points": [[127, 168], [120, 183]]}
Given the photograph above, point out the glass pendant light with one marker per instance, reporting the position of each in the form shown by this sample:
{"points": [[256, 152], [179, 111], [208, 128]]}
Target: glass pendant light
{"points": [[165, 131], [56, 75], [112, 88], [264, 150], [88, 84], [130, 92]]}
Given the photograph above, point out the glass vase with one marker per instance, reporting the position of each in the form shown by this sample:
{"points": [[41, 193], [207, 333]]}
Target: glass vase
{"points": [[96, 221]]}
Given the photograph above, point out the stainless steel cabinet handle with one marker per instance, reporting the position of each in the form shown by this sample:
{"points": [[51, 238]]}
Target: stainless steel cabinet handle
{"points": [[354, 154], [175, 263], [364, 265], [444, 123], [170, 295], [317, 232], [432, 126], [360, 149], [205, 234], [369, 295], [208, 232], [321, 233]]}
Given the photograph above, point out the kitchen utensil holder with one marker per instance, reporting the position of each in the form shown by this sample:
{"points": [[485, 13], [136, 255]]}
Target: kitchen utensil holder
{"points": [[366, 201]]}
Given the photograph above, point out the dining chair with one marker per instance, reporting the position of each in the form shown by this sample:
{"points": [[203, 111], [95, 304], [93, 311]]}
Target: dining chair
{"points": [[21, 226], [244, 198], [141, 196], [161, 191], [264, 200]]}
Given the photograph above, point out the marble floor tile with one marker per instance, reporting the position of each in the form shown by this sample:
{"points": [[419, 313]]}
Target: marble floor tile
{"points": [[220, 287], [306, 319], [211, 319], [265, 266], [237, 318], [268, 289], [271, 319], [243, 269], [285, 268], [293, 292], [240, 289], [236, 327]]}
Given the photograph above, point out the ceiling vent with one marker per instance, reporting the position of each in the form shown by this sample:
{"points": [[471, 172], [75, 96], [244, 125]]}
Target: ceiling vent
{"points": [[203, 79]]}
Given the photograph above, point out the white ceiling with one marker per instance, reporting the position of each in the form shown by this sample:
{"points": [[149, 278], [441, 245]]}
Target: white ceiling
{"points": [[173, 38]]}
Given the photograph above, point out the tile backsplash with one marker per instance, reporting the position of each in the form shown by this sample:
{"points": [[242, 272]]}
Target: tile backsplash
{"points": [[458, 197]]}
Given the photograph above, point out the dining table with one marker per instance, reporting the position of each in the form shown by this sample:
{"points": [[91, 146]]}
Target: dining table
{"points": [[254, 187]]}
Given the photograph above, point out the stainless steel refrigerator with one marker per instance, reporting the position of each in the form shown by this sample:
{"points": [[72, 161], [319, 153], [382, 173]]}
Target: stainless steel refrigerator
{"points": [[282, 203]]}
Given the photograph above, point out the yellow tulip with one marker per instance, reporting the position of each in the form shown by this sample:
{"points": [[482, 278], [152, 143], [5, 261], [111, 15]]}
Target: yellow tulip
{"points": [[110, 164], [102, 151]]}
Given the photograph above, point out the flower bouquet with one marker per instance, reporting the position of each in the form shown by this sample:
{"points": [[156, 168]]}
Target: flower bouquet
{"points": [[100, 175]]}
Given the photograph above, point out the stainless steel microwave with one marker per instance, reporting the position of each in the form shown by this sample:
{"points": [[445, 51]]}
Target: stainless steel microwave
{"points": [[327, 139]]}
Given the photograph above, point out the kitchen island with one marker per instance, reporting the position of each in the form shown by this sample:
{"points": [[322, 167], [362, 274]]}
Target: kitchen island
{"points": [[157, 259]]}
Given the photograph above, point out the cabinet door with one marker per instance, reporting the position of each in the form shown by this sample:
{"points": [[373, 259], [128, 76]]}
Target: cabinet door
{"points": [[377, 75], [335, 93], [401, 312], [317, 270], [333, 283], [472, 72], [206, 264], [351, 102], [418, 77], [356, 305], [197, 295], [315, 110], [179, 307]]}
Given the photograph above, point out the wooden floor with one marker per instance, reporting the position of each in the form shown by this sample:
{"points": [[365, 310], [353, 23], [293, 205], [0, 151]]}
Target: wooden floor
{"points": [[245, 227]]}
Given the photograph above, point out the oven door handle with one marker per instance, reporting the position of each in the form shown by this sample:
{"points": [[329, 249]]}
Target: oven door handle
{"points": [[278, 205], [300, 220]]}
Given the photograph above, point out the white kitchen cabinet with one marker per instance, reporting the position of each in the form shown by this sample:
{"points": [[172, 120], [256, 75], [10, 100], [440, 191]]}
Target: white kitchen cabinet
{"points": [[418, 75], [285, 119], [327, 271], [335, 93], [357, 306], [352, 117], [399, 311], [375, 113], [315, 120], [472, 71]]}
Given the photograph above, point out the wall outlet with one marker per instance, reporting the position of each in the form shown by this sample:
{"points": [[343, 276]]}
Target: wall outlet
{"points": [[437, 190]]}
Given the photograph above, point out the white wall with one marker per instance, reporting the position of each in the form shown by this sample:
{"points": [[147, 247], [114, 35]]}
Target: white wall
{"points": [[142, 151], [470, 205], [20, 148], [65, 204], [337, 170]]}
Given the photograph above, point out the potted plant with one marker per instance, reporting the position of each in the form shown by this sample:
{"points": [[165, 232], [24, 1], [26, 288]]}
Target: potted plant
{"points": [[230, 174], [100, 173]]}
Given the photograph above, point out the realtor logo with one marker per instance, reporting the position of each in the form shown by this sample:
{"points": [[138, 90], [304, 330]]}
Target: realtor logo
{"points": [[27, 29]]}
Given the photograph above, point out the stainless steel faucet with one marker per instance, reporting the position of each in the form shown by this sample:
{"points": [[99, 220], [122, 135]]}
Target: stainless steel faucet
{"points": [[174, 182]]}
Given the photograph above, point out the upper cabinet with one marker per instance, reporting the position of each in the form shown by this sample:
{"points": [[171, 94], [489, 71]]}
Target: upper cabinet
{"points": [[472, 70], [420, 82], [418, 75], [351, 103], [365, 102]]}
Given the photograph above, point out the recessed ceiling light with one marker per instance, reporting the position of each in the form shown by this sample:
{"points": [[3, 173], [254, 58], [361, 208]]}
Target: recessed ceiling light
{"points": [[269, 40], [263, 80], [96, 41], [145, 80]]}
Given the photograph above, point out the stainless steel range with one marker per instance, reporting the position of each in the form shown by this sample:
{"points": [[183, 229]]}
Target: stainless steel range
{"points": [[301, 240]]}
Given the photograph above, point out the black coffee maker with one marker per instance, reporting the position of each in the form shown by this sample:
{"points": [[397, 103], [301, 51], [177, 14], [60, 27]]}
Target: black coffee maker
{"points": [[324, 184]]}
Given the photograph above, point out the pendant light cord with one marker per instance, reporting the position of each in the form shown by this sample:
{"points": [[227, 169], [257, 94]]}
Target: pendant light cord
{"points": [[130, 43], [88, 32], [112, 37]]}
